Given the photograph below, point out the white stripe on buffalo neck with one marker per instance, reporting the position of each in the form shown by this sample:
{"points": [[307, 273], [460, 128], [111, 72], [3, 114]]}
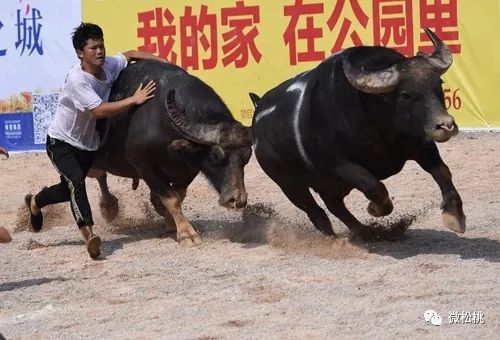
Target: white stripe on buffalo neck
{"points": [[300, 87], [264, 113]]}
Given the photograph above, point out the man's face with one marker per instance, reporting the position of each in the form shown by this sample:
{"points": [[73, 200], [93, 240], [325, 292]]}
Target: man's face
{"points": [[93, 52]]}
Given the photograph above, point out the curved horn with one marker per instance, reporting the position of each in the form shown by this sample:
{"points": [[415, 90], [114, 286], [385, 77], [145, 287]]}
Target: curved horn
{"points": [[441, 58], [371, 82], [4, 151], [199, 133]]}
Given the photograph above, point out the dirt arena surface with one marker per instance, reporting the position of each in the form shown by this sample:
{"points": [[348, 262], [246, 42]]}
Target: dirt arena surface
{"points": [[262, 273]]}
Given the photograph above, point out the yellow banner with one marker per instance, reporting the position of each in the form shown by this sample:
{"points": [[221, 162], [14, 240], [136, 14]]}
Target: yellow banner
{"points": [[251, 46]]}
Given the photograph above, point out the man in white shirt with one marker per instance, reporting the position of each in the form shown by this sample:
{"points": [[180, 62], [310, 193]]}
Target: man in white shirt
{"points": [[73, 139]]}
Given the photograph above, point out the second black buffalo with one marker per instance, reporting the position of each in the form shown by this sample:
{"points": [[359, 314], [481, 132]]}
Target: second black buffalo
{"points": [[352, 121]]}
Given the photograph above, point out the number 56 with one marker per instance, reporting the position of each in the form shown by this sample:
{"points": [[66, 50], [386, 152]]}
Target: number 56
{"points": [[452, 99]]}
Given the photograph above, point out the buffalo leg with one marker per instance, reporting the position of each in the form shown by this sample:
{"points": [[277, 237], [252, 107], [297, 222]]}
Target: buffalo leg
{"points": [[168, 221], [108, 203], [357, 176], [453, 214], [158, 204], [337, 207], [301, 197], [171, 197], [169, 224], [186, 235]]}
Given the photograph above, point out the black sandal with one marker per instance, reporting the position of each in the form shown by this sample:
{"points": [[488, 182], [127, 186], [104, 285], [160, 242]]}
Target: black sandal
{"points": [[36, 221]]}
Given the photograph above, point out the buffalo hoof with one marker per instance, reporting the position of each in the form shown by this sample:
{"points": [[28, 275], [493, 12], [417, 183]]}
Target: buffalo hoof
{"points": [[188, 240], [109, 208], [379, 210], [454, 222]]}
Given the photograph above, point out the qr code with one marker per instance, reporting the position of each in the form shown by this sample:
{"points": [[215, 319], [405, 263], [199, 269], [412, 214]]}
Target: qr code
{"points": [[44, 109]]}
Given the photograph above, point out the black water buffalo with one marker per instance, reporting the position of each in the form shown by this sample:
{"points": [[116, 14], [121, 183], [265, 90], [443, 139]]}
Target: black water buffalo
{"points": [[354, 120], [186, 128]]}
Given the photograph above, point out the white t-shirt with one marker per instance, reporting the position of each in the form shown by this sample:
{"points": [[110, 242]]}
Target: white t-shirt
{"points": [[73, 122]]}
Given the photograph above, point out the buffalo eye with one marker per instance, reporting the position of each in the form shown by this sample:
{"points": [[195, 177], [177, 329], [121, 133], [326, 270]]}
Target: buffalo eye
{"points": [[405, 96], [217, 154]]}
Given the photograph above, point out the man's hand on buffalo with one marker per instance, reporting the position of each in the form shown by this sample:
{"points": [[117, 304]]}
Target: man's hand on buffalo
{"points": [[144, 93], [112, 108]]}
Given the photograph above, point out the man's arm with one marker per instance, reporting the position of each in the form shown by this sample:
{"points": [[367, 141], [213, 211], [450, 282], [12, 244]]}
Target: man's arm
{"points": [[109, 109], [134, 55]]}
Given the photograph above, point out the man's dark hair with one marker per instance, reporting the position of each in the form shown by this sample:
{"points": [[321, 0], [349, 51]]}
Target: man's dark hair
{"points": [[84, 32]]}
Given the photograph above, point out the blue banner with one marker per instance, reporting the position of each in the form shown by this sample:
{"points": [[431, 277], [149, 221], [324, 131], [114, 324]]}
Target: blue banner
{"points": [[17, 132]]}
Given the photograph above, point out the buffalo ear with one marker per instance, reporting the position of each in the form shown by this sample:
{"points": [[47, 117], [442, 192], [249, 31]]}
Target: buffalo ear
{"points": [[254, 98], [182, 148]]}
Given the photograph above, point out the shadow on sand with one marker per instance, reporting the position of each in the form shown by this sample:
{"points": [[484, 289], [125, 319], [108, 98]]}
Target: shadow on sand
{"points": [[415, 241], [259, 226], [4, 287], [439, 242]]}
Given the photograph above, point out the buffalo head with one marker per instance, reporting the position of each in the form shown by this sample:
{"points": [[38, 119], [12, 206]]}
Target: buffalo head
{"points": [[227, 149], [415, 84]]}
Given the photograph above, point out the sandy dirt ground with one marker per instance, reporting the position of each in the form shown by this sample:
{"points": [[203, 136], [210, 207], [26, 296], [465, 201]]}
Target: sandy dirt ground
{"points": [[262, 273]]}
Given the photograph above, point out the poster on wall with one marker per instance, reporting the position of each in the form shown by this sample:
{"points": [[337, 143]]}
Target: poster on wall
{"points": [[241, 46], [35, 55]]}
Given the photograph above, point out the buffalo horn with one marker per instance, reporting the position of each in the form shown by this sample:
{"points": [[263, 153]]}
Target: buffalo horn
{"points": [[371, 81], [199, 133], [441, 58]]}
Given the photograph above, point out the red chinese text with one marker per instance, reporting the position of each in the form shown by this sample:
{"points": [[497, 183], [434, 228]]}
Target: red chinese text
{"points": [[158, 33], [194, 31], [393, 25], [239, 40], [345, 27], [442, 18], [309, 33]]}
